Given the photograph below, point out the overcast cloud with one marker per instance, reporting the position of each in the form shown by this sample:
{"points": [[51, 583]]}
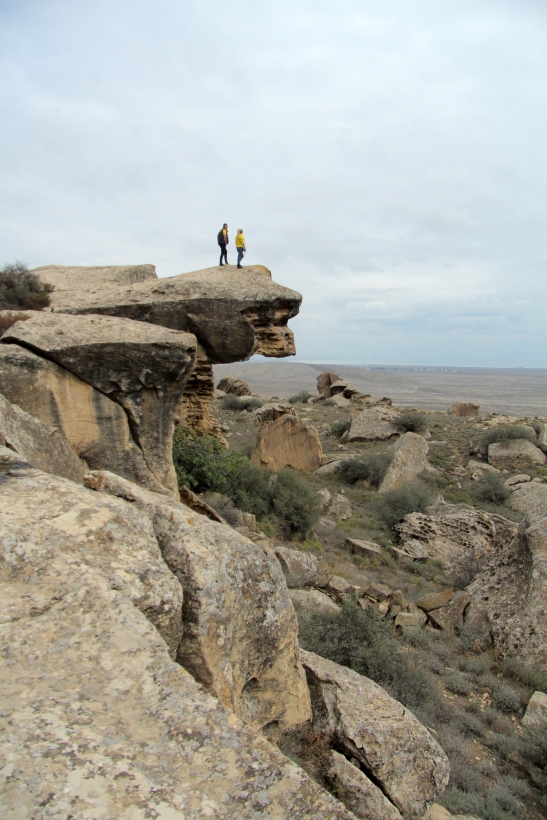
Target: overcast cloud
{"points": [[388, 160]]}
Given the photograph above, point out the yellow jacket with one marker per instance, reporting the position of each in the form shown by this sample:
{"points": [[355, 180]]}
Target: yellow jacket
{"points": [[240, 241]]}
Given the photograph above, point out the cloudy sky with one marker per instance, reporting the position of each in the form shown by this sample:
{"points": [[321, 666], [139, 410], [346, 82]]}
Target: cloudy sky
{"points": [[388, 160]]}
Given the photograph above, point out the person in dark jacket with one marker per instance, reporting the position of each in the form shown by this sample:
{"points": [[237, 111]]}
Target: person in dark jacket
{"points": [[223, 242]]}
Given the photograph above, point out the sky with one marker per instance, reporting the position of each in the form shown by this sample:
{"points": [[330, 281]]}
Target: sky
{"points": [[387, 160]]}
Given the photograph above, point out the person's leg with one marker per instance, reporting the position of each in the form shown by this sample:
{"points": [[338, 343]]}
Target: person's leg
{"points": [[222, 249], [239, 257]]}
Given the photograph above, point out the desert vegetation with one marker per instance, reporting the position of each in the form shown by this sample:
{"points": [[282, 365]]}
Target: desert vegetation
{"points": [[20, 289]]}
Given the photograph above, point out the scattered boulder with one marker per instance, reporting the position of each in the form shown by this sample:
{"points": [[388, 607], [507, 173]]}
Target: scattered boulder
{"points": [[287, 442], [311, 602], [391, 746], [301, 569], [272, 411], [435, 600], [518, 454], [339, 506], [228, 511], [343, 388], [374, 424], [461, 537], [338, 588], [409, 460], [330, 467], [465, 409], [238, 387], [324, 382], [536, 711], [410, 620], [385, 401], [542, 439], [357, 791], [477, 469], [378, 592], [365, 549], [516, 479], [437, 812], [339, 400], [452, 616]]}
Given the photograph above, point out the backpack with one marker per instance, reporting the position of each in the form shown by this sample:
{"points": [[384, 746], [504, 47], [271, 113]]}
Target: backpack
{"points": [[220, 237]]}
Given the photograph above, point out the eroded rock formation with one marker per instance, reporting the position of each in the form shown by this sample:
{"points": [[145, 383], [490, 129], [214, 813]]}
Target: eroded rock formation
{"points": [[287, 441]]}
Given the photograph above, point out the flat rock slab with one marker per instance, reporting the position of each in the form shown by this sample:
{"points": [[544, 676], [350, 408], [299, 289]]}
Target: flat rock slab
{"points": [[366, 549], [288, 442], [519, 454], [435, 600], [375, 424], [357, 792], [365, 723], [452, 616]]}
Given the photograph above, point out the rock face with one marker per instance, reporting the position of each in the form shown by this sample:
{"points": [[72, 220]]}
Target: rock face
{"points": [[232, 385], [324, 381], [142, 368], [301, 569], [536, 711], [312, 601], [374, 424], [83, 665], [519, 454], [40, 444], [459, 536], [357, 792], [240, 634], [287, 442], [96, 427], [465, 409], [343, 388], [408, 462], [272, 411], [392, 747]]}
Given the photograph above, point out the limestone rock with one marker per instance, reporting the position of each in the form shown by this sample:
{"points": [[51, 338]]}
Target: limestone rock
{"points": [[240, 632], [390, 744], [43, 446], [340, 400], [437, 812], [343, 388], [339, 506], [357, 792], [408, 462], [435, 600], [301, 569], [229, 384], [311, 602], [95, 427], [459, 536], [330, 467], [374, 424], [365, 549], [536, 711], [516, 479], [338, 588], [477, 469], [410, 620], [272, 411], [142, 368], [378, 592], [226, 508], [287, 442], [325, 497], [542, 440], [531, 499], [324, 381], [452, 616], [519, 454], [465, 409]]}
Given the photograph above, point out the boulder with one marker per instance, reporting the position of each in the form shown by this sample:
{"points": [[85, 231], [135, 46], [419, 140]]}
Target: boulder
{"points": [[338, 588], [435, 600], [451, 617], [519, 454], [228, 511], [465, 409], [238, 387], [477, 469], [96, 427], [343, 388], [459, 536], [374, 424], [339, 400], [378, 592], [542, 439], [437, 812], [301, 569], [324, 381], [272, 411], [42, 445], [516, 479], [365, 549], [330, 468], [391, 746], [409, 460], [240, 632], [287, 442], [339, 506], [312, 602], [357, 792], [142, 368], [536, 711], [410, 620]]}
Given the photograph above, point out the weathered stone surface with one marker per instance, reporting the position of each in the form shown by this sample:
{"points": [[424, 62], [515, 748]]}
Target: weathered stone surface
{"points": [[435, 600], [519, 454], [343, 388], [410, 620], [338, 587], [43, 446], [530, 499], [365, 549], [98, 722], [229, 384], [240, 632], [287, 442], [437, 812], [452, 616], [331, 467], [301, 569], [459, 536], [408, 462], [311, 601], [390, 744], [357, 792], [228, 511], [536, 711], [378, 592], [141, 367], [340, 507], [374, 424], [272, 411], [95, 427], [517, 479], [542, 439], [465, 409], [477, 469], [324, 381]]}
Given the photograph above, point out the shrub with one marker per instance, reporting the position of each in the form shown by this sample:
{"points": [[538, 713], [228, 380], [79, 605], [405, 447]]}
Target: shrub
{"points": [[506, 432], [22, 290], [534, 754], [459, 684], [294, 502], [490, 488], [532, 676], [369, 467], [231, 402], [505, 698], [9, 319], [340, 427], [411, 421], [300, 398], [393, 505]]}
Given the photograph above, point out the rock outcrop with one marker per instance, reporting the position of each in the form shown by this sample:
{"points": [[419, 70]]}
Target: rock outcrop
{"points": [[409, 460], [301, 569], [324, 381], [357, 791], [519, 454], [391, 746], [232, 385], [465, 409], [312, 602], [287, 442], [374, 424]]}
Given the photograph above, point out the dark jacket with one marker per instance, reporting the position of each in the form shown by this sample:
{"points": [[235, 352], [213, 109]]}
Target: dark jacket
{"points": [[221, 239]]}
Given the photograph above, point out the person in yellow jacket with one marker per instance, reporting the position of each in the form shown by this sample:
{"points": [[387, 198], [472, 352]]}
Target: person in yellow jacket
{"points": [[240, 246]]}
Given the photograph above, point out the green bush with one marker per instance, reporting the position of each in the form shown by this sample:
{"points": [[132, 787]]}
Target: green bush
{"points": [[370, 467], [300, 398], [22, 290], [490, 488], [506, 432], [459, 684], [232, 402], [294, 502], [340, 427], [393, 505], [411, 421]]}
